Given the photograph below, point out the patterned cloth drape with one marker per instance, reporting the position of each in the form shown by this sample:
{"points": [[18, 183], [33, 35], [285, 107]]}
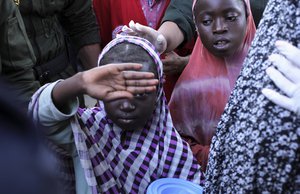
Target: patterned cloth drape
{"points": [[256, 146]]}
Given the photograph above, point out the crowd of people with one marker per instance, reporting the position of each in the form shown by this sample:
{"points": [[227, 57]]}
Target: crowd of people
{"points": [[200, 90]]}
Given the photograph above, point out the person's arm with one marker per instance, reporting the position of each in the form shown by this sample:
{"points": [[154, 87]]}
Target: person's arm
{"points": [[177, 27], [53, 105], [165, 39], [173, 35], [179, 13], [79, 21], [286, 77], [88, 55], [105, 83]]}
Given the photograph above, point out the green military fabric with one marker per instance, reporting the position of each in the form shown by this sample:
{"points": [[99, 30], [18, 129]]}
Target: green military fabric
{"points": [[180, 12], [16, 54], [47, 24], [257, 8]]}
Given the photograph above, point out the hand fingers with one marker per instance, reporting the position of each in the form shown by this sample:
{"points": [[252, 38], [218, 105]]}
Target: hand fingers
{"points": [[286, 67], [127, 30], [170, 58], [167, 62], [128, 66], [140, 90], [144, 29], [128, 93], [171, 54], [168, 69], [160, 41], [142, 83], [278, 99], [137, 75], [280, 81], [132, 25], [117, 95], [140, 30], [291, 52]]}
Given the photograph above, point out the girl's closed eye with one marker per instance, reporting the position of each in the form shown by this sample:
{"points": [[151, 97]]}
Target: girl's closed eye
{"points": [[142, 95]]}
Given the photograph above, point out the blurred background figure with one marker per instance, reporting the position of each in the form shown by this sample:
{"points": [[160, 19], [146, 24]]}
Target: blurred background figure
{"points": [[24, 166]]}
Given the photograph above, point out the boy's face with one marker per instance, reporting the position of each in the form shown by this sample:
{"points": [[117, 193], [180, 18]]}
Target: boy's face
{"points": [[221, 24], [132, 114]]}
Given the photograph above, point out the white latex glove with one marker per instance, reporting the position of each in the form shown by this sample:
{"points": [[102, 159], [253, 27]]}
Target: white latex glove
{"points": [[156, 38], [286, 77]]}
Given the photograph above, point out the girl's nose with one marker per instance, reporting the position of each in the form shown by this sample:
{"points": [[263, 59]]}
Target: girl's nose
{"points": [[127, 106], [219, 26]]}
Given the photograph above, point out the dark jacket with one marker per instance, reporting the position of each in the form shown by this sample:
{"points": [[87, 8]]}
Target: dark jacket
{"points": [[16, 54], [257, 8], [180, 12], [49, 22]]}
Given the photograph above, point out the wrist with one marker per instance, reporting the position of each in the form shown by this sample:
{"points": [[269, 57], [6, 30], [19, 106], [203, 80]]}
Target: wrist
{"points": [[79, 79]]}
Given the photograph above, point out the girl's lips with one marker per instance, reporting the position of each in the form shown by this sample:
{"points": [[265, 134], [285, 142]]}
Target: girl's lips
{"points": [[125, 120], [221, 44]]}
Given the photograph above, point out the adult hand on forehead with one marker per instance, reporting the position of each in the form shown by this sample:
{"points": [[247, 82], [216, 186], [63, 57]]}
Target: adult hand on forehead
{"points": [[286, 77], [153, 36], [113, 81]]}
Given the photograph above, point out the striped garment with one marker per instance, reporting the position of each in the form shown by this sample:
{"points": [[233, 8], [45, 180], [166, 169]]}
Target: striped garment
{"points": [[113, 164]]}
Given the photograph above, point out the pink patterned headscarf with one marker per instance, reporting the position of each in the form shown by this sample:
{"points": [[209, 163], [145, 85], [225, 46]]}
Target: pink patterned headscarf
{"points": [[112, 165]]}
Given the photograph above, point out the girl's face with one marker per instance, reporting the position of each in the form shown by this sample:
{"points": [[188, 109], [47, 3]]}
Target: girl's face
{"points": [[221, 25], [132, 114]]}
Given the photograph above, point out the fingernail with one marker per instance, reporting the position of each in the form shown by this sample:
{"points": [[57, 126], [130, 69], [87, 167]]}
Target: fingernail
{"points": [[265, 91], [279, 42], [131, 23], [124, 28], [269, 70], [273, 57], [138, 26]]}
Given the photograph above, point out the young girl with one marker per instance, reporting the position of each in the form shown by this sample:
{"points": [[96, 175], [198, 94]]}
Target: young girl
{"points": [[225, 29], [124, 144]]}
